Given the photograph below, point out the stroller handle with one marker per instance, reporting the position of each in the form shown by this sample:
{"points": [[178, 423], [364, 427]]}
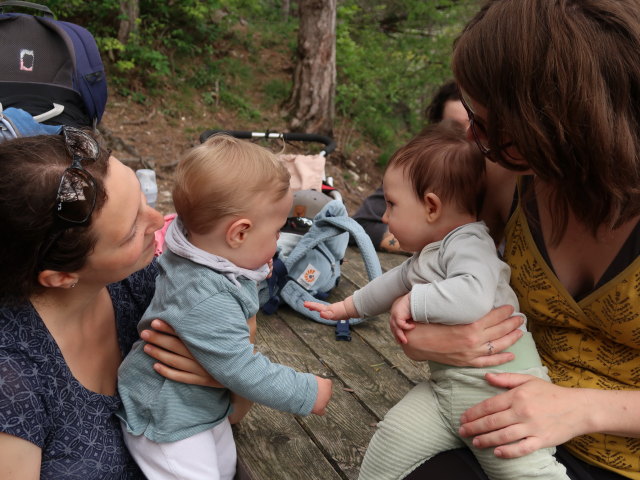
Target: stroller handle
{"points": [[330, 144]]}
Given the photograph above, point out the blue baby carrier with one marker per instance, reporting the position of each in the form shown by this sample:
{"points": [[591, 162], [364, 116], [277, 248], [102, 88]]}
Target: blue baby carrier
{"points": [[310, 268]]}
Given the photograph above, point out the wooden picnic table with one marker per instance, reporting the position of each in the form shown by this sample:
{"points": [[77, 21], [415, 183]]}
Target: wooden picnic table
{"points": [[370, 374]]}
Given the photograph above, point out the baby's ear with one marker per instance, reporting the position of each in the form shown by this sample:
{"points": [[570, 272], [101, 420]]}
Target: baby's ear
{"points": [[238, 231], [432, 207]]}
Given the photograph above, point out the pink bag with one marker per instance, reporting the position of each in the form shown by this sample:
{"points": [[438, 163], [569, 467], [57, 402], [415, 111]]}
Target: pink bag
{"points": [[307, 171]]}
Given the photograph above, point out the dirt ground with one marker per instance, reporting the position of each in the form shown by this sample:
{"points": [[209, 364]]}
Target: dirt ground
{"points": [[144, 136]]}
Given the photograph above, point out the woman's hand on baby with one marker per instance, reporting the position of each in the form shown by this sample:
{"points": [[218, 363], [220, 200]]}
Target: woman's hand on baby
{"points": [[400, 320], [478, 344], [175, 361], [325, 390], [532, 414]]}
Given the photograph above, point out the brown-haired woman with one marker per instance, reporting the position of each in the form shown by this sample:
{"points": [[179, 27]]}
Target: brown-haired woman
{"points": [[552, 88], [76, 244]]}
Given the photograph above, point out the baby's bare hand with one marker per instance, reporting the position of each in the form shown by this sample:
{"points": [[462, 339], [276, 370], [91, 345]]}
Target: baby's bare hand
{"points": [[325, 390], [324, 310]]}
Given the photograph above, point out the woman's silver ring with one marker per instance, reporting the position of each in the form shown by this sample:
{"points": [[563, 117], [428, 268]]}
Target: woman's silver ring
{"points": [[490, 348]]}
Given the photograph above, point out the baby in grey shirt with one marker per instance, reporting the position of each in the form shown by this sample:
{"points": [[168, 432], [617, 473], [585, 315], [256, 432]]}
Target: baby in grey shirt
{"points": [[433, 187]]}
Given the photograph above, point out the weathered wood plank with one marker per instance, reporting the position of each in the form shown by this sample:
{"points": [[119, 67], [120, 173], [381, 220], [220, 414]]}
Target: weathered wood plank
{"points": [[390, 260], [281, 344], [362, 394], [272, 445], [340, 436], [373, 381], [370, 375], [375, 331], [387, 262]]}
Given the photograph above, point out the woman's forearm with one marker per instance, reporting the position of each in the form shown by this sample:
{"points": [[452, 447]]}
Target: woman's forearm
{"points": [[533, 413], [19, 459], [477, 344], [616, 412]]}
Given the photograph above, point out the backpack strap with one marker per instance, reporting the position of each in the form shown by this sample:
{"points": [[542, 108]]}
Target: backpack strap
{"points": [[89, 78], [275, 283], [363, 241], [332, 226], [15, 122], [18, 3]]}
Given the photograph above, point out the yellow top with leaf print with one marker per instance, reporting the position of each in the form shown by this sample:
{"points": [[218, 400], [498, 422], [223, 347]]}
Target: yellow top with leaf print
{"points": [[590, 343]]}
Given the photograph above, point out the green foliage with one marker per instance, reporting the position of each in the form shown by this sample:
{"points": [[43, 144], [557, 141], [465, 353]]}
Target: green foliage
{"points": [[387, 152], [240, 105], [391, 54], [276, 92], [166, 30]]}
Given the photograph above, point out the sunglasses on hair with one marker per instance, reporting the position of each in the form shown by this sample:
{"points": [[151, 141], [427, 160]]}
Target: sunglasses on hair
{"points": [[76, 197], [77, 190]]}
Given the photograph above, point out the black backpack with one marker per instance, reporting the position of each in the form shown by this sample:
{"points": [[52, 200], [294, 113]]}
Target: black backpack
{"points": [[50, 68]]}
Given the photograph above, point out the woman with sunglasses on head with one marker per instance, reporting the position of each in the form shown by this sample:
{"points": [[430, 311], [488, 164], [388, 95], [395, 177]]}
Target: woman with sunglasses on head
{"points": [[76, 244], [552, 88]]}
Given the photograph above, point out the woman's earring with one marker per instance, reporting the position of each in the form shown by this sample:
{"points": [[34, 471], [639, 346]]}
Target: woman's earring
{"points": [[73, 285]]}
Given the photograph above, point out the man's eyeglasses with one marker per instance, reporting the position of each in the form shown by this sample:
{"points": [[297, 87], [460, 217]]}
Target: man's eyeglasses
{"points": [[77, 190], [480, 134]]}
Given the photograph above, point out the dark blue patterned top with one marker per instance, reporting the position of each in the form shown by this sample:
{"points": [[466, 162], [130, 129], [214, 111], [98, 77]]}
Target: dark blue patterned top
{"points": [[41, 401]]}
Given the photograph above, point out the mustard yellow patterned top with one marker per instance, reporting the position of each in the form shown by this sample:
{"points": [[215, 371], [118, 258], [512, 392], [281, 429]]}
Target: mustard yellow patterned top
{"points": [[593, 342]]}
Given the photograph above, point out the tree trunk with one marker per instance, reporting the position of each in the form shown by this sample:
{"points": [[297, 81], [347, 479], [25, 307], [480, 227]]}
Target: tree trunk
{"points": [[129, 13], [312, 103], [286, 6]]}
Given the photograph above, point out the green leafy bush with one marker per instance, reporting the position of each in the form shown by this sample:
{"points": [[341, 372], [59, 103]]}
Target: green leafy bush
{"points": [[391, 55]]}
